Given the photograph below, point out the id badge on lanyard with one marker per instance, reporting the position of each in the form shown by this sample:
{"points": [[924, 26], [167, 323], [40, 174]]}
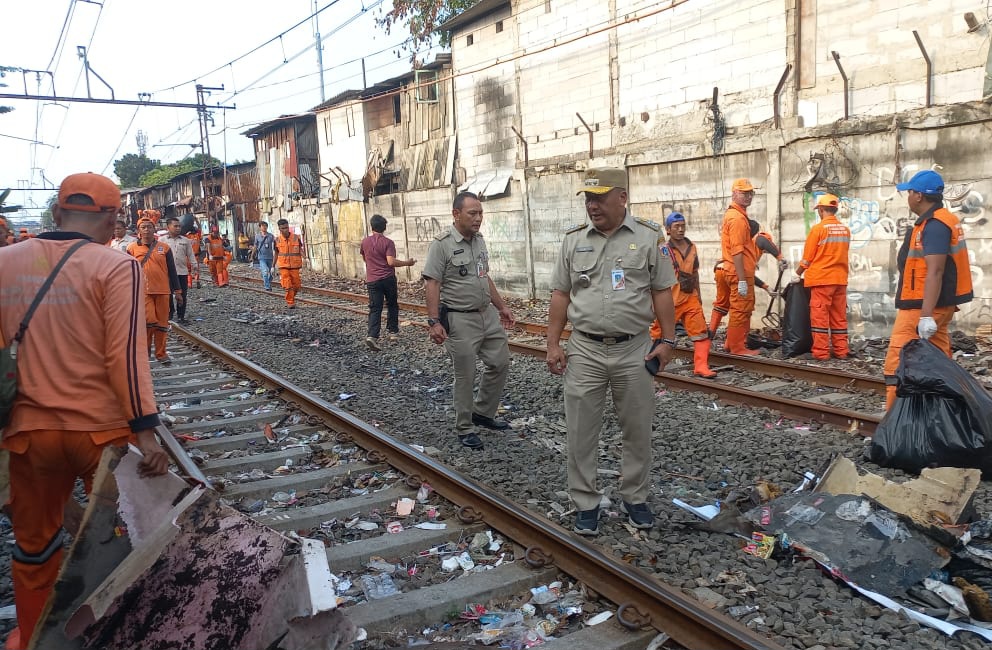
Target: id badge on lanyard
{"points": [[617, 277]]}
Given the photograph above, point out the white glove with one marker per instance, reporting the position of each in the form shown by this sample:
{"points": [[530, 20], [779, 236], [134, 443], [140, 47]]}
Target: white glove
{"points": [[782, 265], [796, 278], [742, 288], [926, 328]]}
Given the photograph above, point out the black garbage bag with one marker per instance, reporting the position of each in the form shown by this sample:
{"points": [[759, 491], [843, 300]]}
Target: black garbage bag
{"points": [[942, 416], [797, 337], [187, 224]]}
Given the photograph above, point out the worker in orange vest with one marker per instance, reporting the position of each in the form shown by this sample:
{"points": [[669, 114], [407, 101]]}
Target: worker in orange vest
{"points": [[161, 280], [825, 265], [740, 259], [289, 261], [934, 274], [685, 294], [4, 231], [764, 243], [216, 258]]}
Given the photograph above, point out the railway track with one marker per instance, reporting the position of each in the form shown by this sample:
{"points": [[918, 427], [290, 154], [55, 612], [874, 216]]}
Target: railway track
{"points": [[298, 463], [799, 391]]}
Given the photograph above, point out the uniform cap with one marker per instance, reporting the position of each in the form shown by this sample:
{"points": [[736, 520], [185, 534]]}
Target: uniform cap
{"points": [[600, 180], [674, 217], [145, 220], [828, 201], [24, 230], [104, 193], [924, 182], [742, 185]]}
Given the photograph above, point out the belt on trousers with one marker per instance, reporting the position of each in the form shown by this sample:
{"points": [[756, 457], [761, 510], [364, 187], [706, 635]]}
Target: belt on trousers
{"points": [[464, 311], [609, 340]]}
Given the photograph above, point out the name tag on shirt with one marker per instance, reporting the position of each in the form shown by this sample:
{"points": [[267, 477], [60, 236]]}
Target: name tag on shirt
{"points": [[618, 279]]}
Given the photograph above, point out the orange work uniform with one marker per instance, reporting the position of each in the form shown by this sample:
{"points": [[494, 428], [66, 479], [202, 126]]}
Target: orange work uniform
{"points": [[955, 288], [825, 267], [83, 383], [688, 306], [161, 280], [735, 238], [216, 259], [289, 260]]}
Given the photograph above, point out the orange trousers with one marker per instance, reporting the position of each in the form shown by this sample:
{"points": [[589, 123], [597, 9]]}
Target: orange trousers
{"points": [[157, 321], [44, 465], [690, 314], [741, 307], [218, 271], [828, 320], [722, 303], [904, 331], [290, 281]]}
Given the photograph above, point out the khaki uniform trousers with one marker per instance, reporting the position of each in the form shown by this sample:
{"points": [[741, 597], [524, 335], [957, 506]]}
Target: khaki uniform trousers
{"points": [[591, 368], [471, 335]]}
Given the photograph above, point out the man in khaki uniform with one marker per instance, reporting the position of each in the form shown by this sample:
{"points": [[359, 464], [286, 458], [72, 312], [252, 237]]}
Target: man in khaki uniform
{"points": [[466, 313], [611, 281]]}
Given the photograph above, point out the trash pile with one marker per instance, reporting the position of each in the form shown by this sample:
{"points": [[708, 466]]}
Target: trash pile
{"points": [[914, 547]]}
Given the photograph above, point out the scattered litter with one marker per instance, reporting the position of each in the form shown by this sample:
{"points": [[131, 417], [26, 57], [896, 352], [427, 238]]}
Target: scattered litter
{"points": [[394, 527], [737, 611], [761, 545], [430, 525], [600, 618], [703, 512], [345, 396], [405, 506], [377, 587], [424, 492]]}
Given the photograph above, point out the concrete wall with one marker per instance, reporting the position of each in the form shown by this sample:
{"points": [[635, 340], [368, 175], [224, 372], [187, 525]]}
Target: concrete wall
{"points": [[342, 139]]}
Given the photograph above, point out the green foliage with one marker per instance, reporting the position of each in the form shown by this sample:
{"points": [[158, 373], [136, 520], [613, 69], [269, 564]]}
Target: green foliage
{"points": [[132, 167], [422, 17], [5, 109], [4, 208], [165, 173], [47, 220]]}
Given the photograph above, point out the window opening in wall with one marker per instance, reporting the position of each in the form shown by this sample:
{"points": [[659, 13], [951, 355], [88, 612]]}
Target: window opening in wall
{"points": [[469, 39], [327, 131], [350, 115], [499, 26], [397, 113], [426, 81]]}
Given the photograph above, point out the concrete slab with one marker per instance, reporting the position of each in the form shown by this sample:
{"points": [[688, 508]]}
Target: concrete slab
{"points": [[299, 482], [769, 386], [204, 395], [304, 518], [605, 636], [225, 424], [829, 398], [430, 605], [410, 542], [215, 406], [240, 440], [267, 461], [170, 378], [190, 385]]}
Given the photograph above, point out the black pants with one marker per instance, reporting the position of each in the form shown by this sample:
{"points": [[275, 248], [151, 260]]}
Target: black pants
{"points": [[179, 310], [378, 291]]}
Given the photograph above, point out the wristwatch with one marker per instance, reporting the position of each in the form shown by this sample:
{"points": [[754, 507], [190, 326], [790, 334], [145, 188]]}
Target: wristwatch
{"points": [[670, 342], [431, 322]]}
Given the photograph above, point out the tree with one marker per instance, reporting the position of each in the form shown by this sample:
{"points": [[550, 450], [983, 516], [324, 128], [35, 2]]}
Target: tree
{"points": [[47, 220], [132, 167], [3, 73], [423, 18], [165, 173]]}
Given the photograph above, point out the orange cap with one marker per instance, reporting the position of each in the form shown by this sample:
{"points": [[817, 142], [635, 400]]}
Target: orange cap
{"points": [[742, 185], [827, 201], [102, 191], [24, 230], [145, 220]]}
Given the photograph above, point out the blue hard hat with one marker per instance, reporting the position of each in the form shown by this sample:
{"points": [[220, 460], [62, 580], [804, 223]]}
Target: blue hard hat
{"points": [[924, 182], [673, 218]]}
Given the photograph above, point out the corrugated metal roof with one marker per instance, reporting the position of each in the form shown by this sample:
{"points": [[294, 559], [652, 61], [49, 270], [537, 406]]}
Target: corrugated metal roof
{"points": [[477, 11], [282, 119], [441, 60]]}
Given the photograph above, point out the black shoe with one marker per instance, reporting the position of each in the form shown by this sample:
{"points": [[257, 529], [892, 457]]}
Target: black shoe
{"points": [[470, 440], [587, 522], [638, 514], [489, 423]]}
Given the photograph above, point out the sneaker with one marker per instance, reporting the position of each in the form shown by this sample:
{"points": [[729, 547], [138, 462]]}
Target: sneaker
{"points": [[639, 515], [393, 338], [166, 360], [587, 522], [372, 343], [470, 440]]}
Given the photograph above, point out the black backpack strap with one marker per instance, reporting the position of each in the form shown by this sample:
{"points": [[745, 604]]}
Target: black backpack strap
{"points": [[45, 287]]}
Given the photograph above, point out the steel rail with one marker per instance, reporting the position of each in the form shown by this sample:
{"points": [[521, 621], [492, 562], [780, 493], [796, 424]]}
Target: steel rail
{"points": [[797, 409], [831, 377], [644, 601]]}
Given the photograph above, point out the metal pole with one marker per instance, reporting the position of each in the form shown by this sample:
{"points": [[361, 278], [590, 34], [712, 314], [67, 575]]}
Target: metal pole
{"points": [[118, 102], [778, 95], [365, 83], [523, 141], [847, 107], [587, 129], [320, 52], [926, 57]]}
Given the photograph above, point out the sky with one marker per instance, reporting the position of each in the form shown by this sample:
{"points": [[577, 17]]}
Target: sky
{"points": [[161, 48]]}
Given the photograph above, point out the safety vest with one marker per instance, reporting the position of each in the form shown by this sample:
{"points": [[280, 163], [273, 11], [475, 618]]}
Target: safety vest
{"points": [[825, 255], [288, 252], [955, 285], [686, 271], [215, 247], [194, 239]]}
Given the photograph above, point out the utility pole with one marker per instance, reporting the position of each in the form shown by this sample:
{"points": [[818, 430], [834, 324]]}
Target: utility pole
{"points": [[206, 119], [320, 52]]}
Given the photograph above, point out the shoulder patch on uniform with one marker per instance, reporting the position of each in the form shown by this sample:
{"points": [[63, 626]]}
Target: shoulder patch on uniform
{"points": [[653, 225], [442, 235], [576, 228]]}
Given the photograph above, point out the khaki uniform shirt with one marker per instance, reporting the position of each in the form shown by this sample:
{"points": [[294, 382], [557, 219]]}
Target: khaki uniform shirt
{"points": [[182, 251], [462, 267], [605, 303]]}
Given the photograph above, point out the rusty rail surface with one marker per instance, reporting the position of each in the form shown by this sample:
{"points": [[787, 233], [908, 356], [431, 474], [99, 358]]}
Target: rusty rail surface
{"points": [[643, 600]]}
